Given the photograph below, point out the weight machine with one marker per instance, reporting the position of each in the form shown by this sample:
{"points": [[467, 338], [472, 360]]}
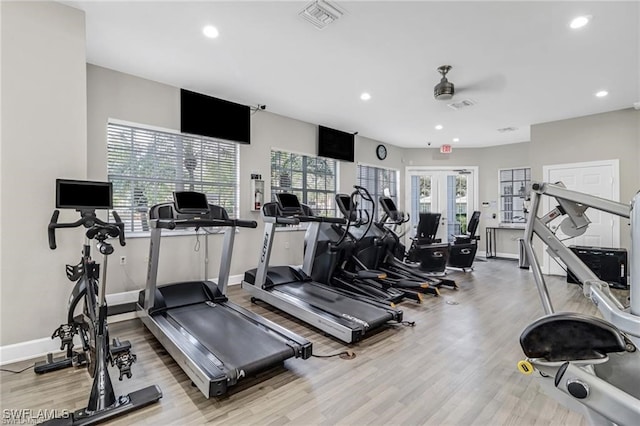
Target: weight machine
{"points": [[590, 365]]}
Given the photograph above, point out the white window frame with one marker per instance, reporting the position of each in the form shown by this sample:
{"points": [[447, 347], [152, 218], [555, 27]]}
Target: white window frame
{"points": [[501, 212]]}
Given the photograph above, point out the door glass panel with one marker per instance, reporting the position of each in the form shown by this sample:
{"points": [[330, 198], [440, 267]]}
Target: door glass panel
{"points": [[421, 201]]}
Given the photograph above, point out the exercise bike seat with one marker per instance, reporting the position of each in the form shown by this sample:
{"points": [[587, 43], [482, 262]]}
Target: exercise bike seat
{"points": [[570, 337]]}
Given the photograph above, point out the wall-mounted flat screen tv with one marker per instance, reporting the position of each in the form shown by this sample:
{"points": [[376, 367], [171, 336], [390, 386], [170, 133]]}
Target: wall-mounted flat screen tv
{"points": [[208, 116], [336, 144]]}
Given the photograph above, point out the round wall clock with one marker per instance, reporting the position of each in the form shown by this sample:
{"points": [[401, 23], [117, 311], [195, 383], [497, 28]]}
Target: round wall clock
{"points": [[381, 152]]}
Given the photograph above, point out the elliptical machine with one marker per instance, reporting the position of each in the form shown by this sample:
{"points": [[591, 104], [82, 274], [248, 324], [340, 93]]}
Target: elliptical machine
{"points": [[103, 404]]}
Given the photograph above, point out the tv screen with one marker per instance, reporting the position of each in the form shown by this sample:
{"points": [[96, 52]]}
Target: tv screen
{"points": [[335, 144], [83, 194], [208, 116], [190, 202]]}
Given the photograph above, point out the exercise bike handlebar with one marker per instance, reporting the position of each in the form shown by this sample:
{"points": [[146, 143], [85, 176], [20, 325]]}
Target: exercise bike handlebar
{"points": [[89, 221]]}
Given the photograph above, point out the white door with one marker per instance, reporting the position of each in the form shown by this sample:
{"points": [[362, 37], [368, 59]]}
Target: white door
{"points": [[594, 178], [448, 192]]}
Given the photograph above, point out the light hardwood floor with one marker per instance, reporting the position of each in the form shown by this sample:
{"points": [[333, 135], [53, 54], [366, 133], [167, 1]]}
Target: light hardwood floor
{"points": [[457, 366]]}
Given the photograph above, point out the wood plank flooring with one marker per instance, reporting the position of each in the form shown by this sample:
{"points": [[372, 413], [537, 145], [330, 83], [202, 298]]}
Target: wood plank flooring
{"points": [[457, 366]]}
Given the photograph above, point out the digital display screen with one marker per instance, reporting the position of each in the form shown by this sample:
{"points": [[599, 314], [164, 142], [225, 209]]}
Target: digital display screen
{"points": [[190, 202], [388, 204], [288, 201], [344, 202], [83, 195]]}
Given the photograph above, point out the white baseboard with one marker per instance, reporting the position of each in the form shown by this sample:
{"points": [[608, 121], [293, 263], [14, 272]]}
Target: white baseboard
{"points": [[236, 279], [41, 347]]}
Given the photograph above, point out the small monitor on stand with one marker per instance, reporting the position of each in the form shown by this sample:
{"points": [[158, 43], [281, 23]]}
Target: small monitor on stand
{"points": [[83, 195]]}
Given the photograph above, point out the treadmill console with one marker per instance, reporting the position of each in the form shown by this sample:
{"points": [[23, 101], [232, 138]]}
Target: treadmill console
{"points": [[289, 204], [191, 203]]}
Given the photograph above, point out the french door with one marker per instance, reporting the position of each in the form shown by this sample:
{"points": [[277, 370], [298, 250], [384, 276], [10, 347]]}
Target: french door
{"points": [[450, 192]]}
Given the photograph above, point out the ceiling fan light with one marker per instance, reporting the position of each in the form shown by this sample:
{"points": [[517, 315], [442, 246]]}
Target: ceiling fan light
{"points": [[443, 90]]}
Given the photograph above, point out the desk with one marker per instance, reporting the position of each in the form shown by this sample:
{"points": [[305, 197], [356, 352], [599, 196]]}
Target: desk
{"points": [[491, 240]]}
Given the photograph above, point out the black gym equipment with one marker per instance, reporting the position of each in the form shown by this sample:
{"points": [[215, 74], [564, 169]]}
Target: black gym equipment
{"points": [[215, 341], [292, 290], [369, 246], [394, 259], [92, 325], [429, 252], [462, 251]]}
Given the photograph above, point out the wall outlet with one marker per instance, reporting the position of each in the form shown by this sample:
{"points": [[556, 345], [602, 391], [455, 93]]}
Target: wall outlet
{"points": [[286, 245], [123, 260]]}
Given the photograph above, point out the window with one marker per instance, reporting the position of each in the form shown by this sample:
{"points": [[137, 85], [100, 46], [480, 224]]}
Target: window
{"points": [[312, 179], [515, 185], [146, 166], [378, 180]]}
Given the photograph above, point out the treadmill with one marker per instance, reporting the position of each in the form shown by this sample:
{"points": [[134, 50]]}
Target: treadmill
{"points": [[293, 291], [214, 341]]}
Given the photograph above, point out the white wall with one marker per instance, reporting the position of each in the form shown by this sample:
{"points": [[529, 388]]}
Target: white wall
{"points": [[611, 135], [44, 126]]}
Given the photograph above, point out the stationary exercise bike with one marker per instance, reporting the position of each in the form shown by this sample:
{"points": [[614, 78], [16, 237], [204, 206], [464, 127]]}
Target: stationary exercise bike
{"points": [[92, 324]]}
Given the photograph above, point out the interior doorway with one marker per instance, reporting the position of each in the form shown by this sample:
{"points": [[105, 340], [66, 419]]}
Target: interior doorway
{"points": [[599, 178]]}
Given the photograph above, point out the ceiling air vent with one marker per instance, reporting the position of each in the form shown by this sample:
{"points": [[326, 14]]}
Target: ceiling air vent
{"points": [[321, 13], [461, 104], [507, 129]]}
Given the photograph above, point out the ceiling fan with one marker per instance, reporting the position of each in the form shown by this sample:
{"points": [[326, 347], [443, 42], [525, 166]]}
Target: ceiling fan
{"points": [[445, 89]]}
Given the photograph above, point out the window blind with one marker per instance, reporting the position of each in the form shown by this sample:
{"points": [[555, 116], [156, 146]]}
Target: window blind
{"points": [[146, 166], [312, 179], [377, 180]]}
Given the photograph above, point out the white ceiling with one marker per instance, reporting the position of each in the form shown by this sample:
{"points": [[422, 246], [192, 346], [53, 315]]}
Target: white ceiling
{"points": [[519, 61]]}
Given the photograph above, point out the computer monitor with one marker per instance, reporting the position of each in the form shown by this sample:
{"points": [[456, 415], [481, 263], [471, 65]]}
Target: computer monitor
{"points": [[190, 202], [83, 194]]}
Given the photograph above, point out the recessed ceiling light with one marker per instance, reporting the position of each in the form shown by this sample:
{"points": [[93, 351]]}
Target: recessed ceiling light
{"points": [[456, 139], [439, 127], [602, 93], [580, 21], [365, 96], [210, 31]]}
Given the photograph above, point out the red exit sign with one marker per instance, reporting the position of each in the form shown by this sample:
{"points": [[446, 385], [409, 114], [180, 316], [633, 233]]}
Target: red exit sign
{"points": [[445, 149]]}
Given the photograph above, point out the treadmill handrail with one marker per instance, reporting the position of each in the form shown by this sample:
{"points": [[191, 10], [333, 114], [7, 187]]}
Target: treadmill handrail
{"points": [[190, 223]]}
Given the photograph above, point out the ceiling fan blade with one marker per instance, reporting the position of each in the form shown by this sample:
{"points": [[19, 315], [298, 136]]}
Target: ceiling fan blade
{"points": [[493, 83]]}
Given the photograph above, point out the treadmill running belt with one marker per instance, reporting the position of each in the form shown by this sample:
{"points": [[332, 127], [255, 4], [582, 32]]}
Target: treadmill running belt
{"points": [[316, 295], [236, 341]]}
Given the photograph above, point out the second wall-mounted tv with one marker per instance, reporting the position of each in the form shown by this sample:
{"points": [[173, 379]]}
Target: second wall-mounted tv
{"points": [[336, 144], [216, 118]]}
